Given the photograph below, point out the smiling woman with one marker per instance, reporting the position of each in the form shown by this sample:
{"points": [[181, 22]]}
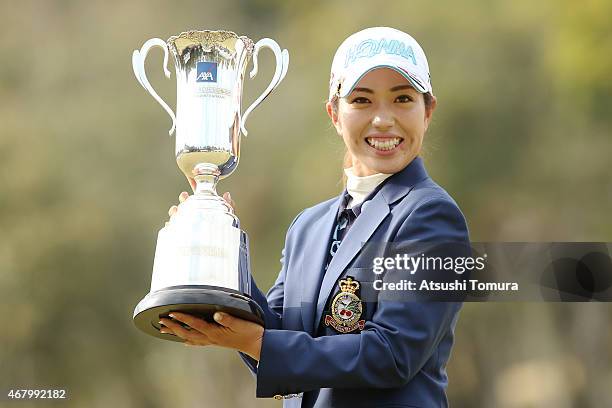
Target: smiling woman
{"points": [[326, 341], [382, 121], [333, 106]]}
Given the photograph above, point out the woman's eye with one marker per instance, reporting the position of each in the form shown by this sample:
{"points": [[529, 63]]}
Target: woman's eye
{"points": [[360, 99], [403, 99]]}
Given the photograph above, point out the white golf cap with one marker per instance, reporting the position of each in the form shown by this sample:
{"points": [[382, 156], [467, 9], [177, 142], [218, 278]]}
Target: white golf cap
{"points": [[378, 47]]}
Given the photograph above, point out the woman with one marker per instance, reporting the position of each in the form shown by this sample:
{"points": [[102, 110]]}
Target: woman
{"points": [[331, 338]]}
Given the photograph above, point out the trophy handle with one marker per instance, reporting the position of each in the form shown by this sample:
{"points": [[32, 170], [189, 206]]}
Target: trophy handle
{"points": [[138, 61], [282, 64]]}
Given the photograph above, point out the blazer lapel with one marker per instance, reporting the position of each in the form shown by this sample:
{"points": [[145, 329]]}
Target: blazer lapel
{"points": [[318, 247], [373, 213]]}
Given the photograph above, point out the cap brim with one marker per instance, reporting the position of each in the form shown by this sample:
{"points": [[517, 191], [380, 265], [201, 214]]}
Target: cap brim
{"points": [[353, 77]]}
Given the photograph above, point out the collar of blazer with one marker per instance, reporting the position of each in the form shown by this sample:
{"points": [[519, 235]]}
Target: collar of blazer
{"points": [[402, 182], [372, 214]]}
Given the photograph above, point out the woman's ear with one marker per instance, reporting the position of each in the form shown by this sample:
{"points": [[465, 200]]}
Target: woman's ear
{"points": [[333, 115], [429, 111]]}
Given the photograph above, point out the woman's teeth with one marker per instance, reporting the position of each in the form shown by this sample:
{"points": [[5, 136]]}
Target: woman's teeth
{"points": [[388, 144]]}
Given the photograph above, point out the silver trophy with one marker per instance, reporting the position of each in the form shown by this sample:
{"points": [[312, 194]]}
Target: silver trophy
{"points": [[202, 260]]}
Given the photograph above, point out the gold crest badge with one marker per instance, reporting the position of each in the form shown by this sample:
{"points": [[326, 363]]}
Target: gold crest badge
{"points": [[346, 308]]}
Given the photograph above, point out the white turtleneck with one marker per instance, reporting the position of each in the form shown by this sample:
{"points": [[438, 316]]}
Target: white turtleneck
{"points": [[359, 187]]}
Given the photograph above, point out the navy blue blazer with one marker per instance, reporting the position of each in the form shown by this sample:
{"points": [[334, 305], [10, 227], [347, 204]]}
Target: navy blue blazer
{"points": [[399, 358]]}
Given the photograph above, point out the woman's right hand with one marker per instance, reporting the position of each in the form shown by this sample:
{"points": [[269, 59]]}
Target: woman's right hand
{"points": [[184, 195]]}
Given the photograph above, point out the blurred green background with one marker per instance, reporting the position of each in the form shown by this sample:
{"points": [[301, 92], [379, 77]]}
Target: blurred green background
{"points": [[521, 139]]}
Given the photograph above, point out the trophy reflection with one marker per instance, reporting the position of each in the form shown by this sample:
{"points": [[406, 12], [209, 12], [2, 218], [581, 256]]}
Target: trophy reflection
{"points": [[201, 260]]}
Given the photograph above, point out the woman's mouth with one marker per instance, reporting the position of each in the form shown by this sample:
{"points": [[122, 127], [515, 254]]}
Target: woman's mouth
{"points": [[384, 144]]}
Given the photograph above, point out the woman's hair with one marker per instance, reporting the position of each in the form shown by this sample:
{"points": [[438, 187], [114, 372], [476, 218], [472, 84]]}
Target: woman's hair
{"points": [[347, 161]]}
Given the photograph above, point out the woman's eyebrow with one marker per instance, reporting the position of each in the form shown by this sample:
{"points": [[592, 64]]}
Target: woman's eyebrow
{"points": [[400, 87], [366, 90]]}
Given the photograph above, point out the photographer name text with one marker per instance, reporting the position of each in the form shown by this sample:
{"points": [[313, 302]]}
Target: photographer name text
{"points": [[457, 285]]}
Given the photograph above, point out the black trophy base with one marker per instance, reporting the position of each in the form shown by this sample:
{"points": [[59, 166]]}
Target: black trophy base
{"points": [[197, 300]]}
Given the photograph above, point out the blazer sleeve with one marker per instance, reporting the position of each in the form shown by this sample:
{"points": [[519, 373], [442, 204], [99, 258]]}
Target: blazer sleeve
{"points": [[393, 346], [272, 303]]}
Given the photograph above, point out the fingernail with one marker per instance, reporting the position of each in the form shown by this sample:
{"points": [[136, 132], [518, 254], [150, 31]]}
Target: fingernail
{"points": [[172, 316], [162, 323], [229, 195], [218, 316]]}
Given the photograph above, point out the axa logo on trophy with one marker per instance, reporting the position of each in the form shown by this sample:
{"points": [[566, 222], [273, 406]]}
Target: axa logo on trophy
{"points": [[207, 72]]}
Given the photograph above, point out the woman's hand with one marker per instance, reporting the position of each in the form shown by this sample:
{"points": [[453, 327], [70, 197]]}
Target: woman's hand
{"points": [[184, 195], [229, 331]]}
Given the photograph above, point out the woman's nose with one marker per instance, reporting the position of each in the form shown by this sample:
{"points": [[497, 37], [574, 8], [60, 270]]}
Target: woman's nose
{"points": [[382, 120]]}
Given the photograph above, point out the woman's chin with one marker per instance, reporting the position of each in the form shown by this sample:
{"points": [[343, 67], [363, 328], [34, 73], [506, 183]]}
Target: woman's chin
{"points": [[390, 166]]}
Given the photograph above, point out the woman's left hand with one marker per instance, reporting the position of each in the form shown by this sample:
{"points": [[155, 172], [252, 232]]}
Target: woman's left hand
{"points": [[229, 331]]}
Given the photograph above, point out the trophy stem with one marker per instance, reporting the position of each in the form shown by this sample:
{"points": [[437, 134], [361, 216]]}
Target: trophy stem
{"points": [[206, 176]]}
